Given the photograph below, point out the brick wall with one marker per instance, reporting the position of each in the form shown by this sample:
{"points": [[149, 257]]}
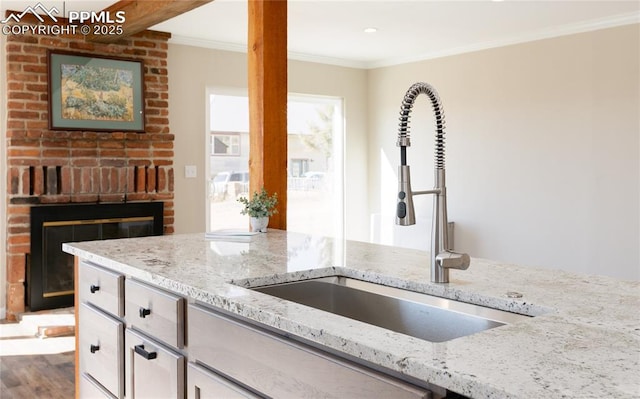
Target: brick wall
{"points": [[46, 167]]}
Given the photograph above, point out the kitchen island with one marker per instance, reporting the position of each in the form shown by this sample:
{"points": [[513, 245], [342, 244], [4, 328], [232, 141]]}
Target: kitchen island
{"points": [[582, 341]]}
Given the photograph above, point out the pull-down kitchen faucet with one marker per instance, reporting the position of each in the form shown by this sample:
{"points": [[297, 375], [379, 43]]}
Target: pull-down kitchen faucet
{"points": [[442, 259]]}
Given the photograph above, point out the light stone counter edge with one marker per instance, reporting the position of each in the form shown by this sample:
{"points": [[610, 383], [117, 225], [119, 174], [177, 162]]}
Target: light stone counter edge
{"points": [[584, 341]]}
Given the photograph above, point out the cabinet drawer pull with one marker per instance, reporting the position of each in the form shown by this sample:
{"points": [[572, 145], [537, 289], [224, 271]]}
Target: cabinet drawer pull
{"points": [[94, 348], [94, 288], [144, 312], [142, 352]]}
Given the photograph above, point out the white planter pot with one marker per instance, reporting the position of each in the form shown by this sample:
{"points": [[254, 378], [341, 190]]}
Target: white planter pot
{"points": [[259, 224]]}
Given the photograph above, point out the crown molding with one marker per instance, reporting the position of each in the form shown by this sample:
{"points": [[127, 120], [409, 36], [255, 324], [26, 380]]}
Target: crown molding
{"points": [[206, 43], [242, 48], [582, 27], [588, 26], [329, 60]]}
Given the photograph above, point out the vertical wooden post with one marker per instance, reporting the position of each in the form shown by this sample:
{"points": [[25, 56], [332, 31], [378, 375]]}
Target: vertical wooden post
{"points": [[267, 62]]}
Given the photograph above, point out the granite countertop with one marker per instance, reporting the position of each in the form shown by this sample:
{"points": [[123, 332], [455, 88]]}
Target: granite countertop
{"points": [[584, 341]]}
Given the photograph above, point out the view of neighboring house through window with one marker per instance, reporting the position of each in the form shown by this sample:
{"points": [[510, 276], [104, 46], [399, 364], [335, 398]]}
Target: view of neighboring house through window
{"points": [[225, 144], [314, 164]]}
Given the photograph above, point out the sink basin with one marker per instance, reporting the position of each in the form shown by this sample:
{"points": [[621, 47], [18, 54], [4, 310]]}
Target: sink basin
{"points": [[419, 315]]}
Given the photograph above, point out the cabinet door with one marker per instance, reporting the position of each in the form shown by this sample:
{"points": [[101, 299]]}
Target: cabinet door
{"points": [[90, 389], [102, 288], [156, 312], [281, 368], [152, 370], [101, 345], [203, 384]]}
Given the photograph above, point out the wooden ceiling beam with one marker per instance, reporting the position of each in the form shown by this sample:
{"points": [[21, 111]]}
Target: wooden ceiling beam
{"points": [[143, 14]]}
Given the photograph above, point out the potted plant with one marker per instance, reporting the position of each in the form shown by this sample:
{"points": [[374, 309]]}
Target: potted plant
{"points": [[259, 208]]}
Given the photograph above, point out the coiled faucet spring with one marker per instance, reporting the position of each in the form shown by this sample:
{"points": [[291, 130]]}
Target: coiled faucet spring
{"points": [[404, 134]]}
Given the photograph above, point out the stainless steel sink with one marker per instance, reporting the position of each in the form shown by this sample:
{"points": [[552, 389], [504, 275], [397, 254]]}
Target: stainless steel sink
{"points": [[419, 315]]}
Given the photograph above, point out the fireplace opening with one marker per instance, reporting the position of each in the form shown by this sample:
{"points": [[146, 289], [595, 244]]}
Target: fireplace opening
{"points": [[50, 280]]}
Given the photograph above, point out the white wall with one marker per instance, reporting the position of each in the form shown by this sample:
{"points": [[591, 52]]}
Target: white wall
{"points": [[192, 70], [542, 145], [542, 149]]}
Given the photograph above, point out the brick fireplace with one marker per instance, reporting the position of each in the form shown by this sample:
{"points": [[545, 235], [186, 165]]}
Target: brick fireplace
{"points": [[67, 167]]}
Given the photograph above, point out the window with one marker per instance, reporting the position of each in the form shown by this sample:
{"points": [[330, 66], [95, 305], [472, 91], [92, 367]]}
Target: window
{"points": [[315, 193], [315, 184]]}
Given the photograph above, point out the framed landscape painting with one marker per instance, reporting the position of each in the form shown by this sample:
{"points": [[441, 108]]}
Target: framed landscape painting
{"points": [[95, 93]]}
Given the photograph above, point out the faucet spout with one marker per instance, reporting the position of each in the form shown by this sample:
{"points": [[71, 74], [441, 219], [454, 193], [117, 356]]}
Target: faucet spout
{"points": [[442, 258]]}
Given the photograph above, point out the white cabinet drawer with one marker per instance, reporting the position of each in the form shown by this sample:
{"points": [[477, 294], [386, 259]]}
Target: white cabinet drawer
{"points": [[89, 389], [156, 312], [152, 370], [101, 287], [101, 344], [203, 384], [281, 368]]}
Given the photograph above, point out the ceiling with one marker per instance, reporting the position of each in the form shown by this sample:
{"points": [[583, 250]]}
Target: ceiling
{"points": [[331, 31]]}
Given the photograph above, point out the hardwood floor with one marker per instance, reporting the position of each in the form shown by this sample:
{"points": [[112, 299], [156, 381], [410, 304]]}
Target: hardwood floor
{"points": [[37, 356], [37, 376]]}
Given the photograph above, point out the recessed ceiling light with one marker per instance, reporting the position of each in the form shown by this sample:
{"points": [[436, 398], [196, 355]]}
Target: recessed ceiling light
{"points": [[370, 30]]}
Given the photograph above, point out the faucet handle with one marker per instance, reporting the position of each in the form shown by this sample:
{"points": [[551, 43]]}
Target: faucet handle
{"points": [[453, 260], [405, 213]]}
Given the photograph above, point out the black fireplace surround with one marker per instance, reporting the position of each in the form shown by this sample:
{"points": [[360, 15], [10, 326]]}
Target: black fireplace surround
{"points": [[50, 280]]}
